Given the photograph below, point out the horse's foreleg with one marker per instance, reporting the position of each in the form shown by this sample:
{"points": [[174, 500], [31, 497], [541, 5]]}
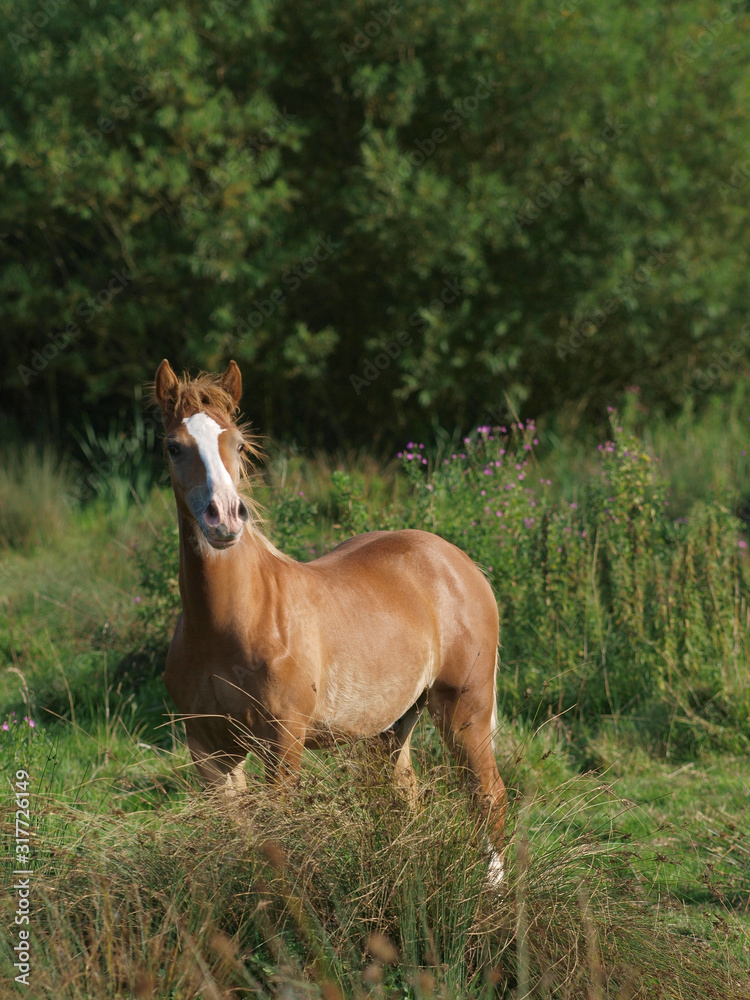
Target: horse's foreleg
{"points": [[282, 755], [222, 771], [399, 742]]}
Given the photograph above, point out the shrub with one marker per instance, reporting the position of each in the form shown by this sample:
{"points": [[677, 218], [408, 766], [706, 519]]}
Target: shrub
{"points": [[610, 607]]}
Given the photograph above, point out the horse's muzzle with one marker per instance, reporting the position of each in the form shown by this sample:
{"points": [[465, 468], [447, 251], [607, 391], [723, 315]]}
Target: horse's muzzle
{"points": [[223, 521]]}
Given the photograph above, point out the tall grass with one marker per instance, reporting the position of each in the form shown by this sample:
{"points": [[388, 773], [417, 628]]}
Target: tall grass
{"points": [[337, 890], [33, 482], [120, 465], [702, 450]]}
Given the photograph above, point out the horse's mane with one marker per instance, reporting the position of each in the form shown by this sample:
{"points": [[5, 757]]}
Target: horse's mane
{"points": [[199, 392]]}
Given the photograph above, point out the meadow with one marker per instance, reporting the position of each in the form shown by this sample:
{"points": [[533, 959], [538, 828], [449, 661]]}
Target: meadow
{"points": [[619, 562]]}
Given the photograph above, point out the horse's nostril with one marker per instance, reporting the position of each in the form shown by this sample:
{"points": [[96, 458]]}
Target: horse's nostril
{"points": [[212, 510], [243, 512]]}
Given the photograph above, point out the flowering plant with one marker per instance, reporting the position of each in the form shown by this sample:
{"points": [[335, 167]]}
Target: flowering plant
{"points": [[24, 745]]}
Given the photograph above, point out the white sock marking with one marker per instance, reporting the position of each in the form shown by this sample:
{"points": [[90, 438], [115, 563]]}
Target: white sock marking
{"points": [[495, 870]]}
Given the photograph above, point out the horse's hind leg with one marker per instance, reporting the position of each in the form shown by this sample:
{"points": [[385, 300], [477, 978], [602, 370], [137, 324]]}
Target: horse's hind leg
{"points": [[464, 719]]}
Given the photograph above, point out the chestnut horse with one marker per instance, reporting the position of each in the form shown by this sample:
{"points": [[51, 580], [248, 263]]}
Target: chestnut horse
{"points": [[288, 655]]}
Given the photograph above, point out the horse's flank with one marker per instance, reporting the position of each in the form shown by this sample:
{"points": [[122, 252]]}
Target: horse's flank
{"points": [[281, 655]]}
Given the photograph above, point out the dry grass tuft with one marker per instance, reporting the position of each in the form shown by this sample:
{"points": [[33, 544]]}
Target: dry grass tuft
{"points": [[337, 890]]}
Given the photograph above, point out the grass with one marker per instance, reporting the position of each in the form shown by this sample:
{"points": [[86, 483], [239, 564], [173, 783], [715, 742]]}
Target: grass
{"points": [[32, 481], [337, 890], [628, 872]]}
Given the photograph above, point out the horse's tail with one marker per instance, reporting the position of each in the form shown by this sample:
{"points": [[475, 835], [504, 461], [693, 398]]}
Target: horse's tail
{"points": [[494, 724]]}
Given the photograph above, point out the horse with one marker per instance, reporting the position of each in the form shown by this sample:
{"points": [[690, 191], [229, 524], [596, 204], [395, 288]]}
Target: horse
{"points": [[285, 655]]}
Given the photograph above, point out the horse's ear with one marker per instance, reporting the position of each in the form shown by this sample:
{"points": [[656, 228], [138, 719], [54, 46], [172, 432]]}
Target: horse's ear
{"points": [[231, 382], [165, 388]]}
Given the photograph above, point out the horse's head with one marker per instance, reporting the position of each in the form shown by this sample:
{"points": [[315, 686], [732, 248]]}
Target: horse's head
{"points": [[206, 450]]}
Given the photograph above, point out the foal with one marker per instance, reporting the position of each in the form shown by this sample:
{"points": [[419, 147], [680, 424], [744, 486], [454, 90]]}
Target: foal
{"points": [[288, 654]]}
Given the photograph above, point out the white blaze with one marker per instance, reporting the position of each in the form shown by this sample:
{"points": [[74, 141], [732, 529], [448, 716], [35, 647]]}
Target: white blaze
{"points": [[205, 432]]}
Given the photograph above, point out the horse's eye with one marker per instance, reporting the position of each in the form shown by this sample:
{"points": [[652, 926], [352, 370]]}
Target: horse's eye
{"points": [[241, 447], [173, 449]]}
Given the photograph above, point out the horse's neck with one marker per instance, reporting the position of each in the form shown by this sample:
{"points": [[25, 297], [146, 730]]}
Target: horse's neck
{"points": [[220, 590]]}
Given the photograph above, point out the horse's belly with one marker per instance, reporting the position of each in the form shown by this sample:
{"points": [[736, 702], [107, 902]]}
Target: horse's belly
{"points": [[353, 704]]}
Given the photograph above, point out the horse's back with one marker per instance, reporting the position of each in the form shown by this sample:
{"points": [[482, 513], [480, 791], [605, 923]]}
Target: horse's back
{"points": [[407, 550], [424, 574]]}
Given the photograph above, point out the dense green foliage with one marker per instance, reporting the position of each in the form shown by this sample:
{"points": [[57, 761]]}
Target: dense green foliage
{"points": [[610, 607], [388, 214]]}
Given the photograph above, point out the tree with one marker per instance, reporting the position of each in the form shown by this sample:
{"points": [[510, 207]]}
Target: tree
{"points": [[388, 214]]}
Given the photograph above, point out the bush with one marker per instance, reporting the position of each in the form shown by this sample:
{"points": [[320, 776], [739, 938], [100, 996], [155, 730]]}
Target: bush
{"points": [[610, 606]]}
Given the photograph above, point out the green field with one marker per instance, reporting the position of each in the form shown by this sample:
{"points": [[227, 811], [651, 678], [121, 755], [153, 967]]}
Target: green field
{"points": [[624, 699]]}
